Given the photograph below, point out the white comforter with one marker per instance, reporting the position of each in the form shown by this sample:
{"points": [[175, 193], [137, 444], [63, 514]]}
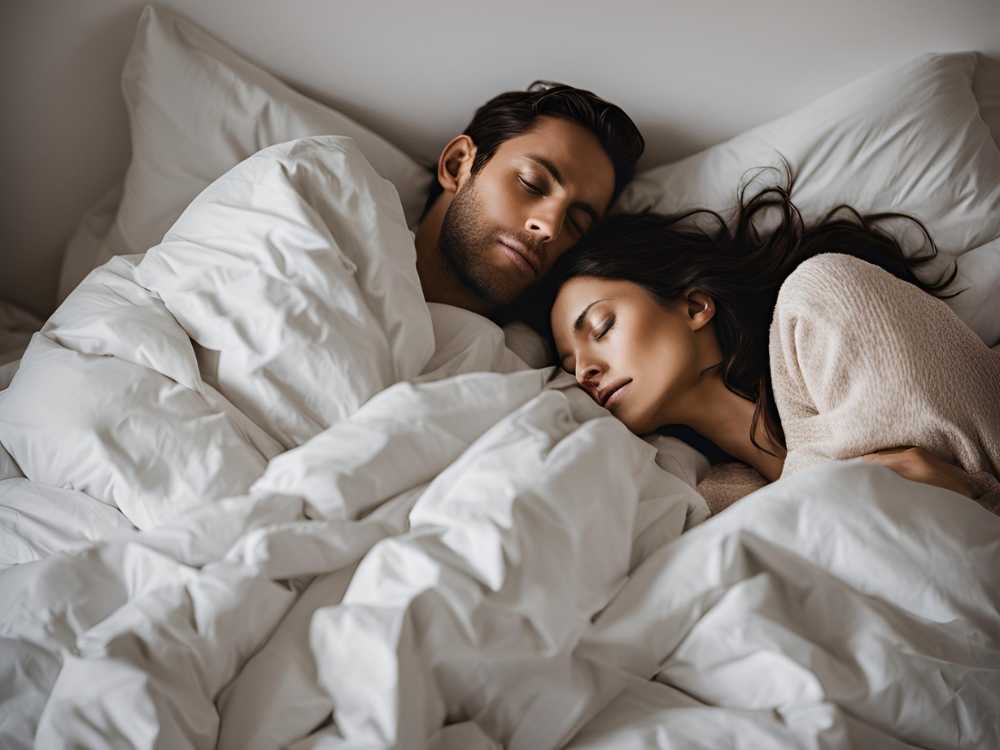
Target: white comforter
{"points": [[297, 506]]}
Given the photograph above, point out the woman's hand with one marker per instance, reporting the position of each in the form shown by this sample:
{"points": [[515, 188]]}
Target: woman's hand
{"points": [[919, 465]]}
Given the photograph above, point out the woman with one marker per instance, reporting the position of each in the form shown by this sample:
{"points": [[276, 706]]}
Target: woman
{"points": [[784, 345]]}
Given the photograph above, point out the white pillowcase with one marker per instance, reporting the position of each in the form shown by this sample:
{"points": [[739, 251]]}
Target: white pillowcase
{"points": [[986, 87], [910, 139], [914, 139], [196, 110]]}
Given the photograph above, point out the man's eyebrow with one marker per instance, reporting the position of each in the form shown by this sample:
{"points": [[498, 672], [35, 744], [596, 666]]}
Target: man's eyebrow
{"points": [[547, 163], [579, 321], [553, 170]]}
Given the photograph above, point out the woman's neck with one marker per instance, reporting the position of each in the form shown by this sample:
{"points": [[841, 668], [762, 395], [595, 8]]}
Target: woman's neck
{"points": [[725, 418]]}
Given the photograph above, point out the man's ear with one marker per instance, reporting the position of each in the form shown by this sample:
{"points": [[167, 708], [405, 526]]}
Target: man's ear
{"points": [[455, 164], [700, 308]]}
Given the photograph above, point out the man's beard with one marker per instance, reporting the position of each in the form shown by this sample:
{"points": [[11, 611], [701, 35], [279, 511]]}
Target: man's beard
{"points": [[468, 246]]}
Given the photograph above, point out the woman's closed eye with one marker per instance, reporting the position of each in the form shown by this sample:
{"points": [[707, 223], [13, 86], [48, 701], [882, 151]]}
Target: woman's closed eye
{"points": [[605, 329]]}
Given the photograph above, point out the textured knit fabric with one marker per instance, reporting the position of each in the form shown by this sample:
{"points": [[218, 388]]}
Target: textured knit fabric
{"points": [[862, 361], [728, 482]]}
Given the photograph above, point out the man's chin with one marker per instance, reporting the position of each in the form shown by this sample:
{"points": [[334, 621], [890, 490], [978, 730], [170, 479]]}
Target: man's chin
{"points": [[513, 295], [500, 299], [501, 288]]}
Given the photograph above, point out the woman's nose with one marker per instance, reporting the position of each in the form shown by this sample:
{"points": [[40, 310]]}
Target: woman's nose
{"points": [[587, 373]]}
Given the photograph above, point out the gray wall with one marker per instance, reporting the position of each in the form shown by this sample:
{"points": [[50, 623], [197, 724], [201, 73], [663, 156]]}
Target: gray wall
{"points": [[690, 73]]}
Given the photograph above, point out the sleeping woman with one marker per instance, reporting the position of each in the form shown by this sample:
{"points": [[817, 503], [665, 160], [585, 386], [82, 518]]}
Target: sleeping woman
{"points": [[783, 344]]}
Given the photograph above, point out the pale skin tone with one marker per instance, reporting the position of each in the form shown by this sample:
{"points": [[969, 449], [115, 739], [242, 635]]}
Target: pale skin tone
{"points": [[545, 189], [651, 365]]}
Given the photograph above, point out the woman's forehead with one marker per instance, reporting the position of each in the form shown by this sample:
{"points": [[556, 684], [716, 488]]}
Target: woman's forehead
{"points": [[583, 290], [575, 293]]}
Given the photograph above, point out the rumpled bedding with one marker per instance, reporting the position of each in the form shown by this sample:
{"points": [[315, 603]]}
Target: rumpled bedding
{"points": [[258, 494], [840, 607]]}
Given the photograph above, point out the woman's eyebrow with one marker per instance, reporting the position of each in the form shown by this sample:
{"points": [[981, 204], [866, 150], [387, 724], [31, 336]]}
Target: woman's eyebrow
{"points": [[579, 321]]}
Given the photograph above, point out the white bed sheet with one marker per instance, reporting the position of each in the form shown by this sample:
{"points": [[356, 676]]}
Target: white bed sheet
{"points": [[412, 539], [283, 311], [843, 607]]}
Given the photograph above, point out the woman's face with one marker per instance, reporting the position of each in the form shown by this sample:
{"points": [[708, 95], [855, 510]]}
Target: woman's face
{"points": [[634, 356]]}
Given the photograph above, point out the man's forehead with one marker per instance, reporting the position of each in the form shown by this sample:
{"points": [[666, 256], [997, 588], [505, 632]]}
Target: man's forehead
{"points": [[555, 137]]}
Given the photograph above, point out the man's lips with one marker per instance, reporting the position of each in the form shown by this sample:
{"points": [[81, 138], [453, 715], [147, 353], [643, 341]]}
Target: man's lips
{"points": [[526, 260], [608, 397]]}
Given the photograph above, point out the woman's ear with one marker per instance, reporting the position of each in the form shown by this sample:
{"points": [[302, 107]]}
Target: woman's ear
{"points": [[455, 164], [700, 308]]}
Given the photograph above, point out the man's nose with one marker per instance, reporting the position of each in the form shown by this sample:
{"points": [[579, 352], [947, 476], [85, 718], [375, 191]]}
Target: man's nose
{"points": [[545, 223]]}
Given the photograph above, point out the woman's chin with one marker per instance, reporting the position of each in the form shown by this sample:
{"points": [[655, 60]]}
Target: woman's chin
{"points": [[639, 425], [622, 406]]}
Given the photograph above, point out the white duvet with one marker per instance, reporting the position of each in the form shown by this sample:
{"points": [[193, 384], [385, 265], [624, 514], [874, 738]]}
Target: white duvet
{"points": [[258, 494]]}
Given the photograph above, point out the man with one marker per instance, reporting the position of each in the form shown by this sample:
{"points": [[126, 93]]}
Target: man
{"points": [[531, 174]]}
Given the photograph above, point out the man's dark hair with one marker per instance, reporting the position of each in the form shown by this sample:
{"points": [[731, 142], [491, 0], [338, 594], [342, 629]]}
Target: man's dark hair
{"points": [[514, 113]]}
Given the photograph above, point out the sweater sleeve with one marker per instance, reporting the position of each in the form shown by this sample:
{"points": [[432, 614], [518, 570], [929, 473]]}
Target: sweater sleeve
{"points": [[862, 361]]}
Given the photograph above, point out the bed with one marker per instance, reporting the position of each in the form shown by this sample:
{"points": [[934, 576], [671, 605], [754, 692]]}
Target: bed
{"points": [[256, 493]]}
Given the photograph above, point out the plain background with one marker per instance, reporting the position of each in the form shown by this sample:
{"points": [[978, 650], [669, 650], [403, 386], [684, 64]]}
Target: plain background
{"points": [[690, 74]]}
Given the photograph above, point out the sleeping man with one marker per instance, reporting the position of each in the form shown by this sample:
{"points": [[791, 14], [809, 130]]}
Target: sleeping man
{"points": [[290, 292], [245, 386], [531, 174]]}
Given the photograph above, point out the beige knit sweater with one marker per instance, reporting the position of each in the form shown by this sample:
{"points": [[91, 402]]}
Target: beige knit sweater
{"points": [[862, 361]]}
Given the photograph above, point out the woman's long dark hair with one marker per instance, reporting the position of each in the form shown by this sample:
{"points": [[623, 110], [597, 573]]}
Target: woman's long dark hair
{"points": [[742, 269]]}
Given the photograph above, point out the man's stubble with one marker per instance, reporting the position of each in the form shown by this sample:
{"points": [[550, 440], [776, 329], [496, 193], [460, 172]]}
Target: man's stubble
{"points": [[468, 247]]}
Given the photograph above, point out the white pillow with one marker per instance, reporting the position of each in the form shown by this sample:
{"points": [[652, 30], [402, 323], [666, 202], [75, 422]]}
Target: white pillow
{"points": [[986, 87], [86, 247], [196, 110], [910, 139], [16, 329]]}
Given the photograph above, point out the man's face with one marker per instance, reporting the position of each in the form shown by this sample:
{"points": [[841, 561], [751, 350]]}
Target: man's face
{"points": [[531, 202]]}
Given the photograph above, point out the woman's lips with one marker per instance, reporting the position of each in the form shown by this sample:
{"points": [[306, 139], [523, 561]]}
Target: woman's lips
{"points": [[616, 395]]}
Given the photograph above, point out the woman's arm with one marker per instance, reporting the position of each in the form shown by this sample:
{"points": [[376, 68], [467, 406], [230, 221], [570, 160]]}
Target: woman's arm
{"points": [[861, 361], [919, 465]]}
